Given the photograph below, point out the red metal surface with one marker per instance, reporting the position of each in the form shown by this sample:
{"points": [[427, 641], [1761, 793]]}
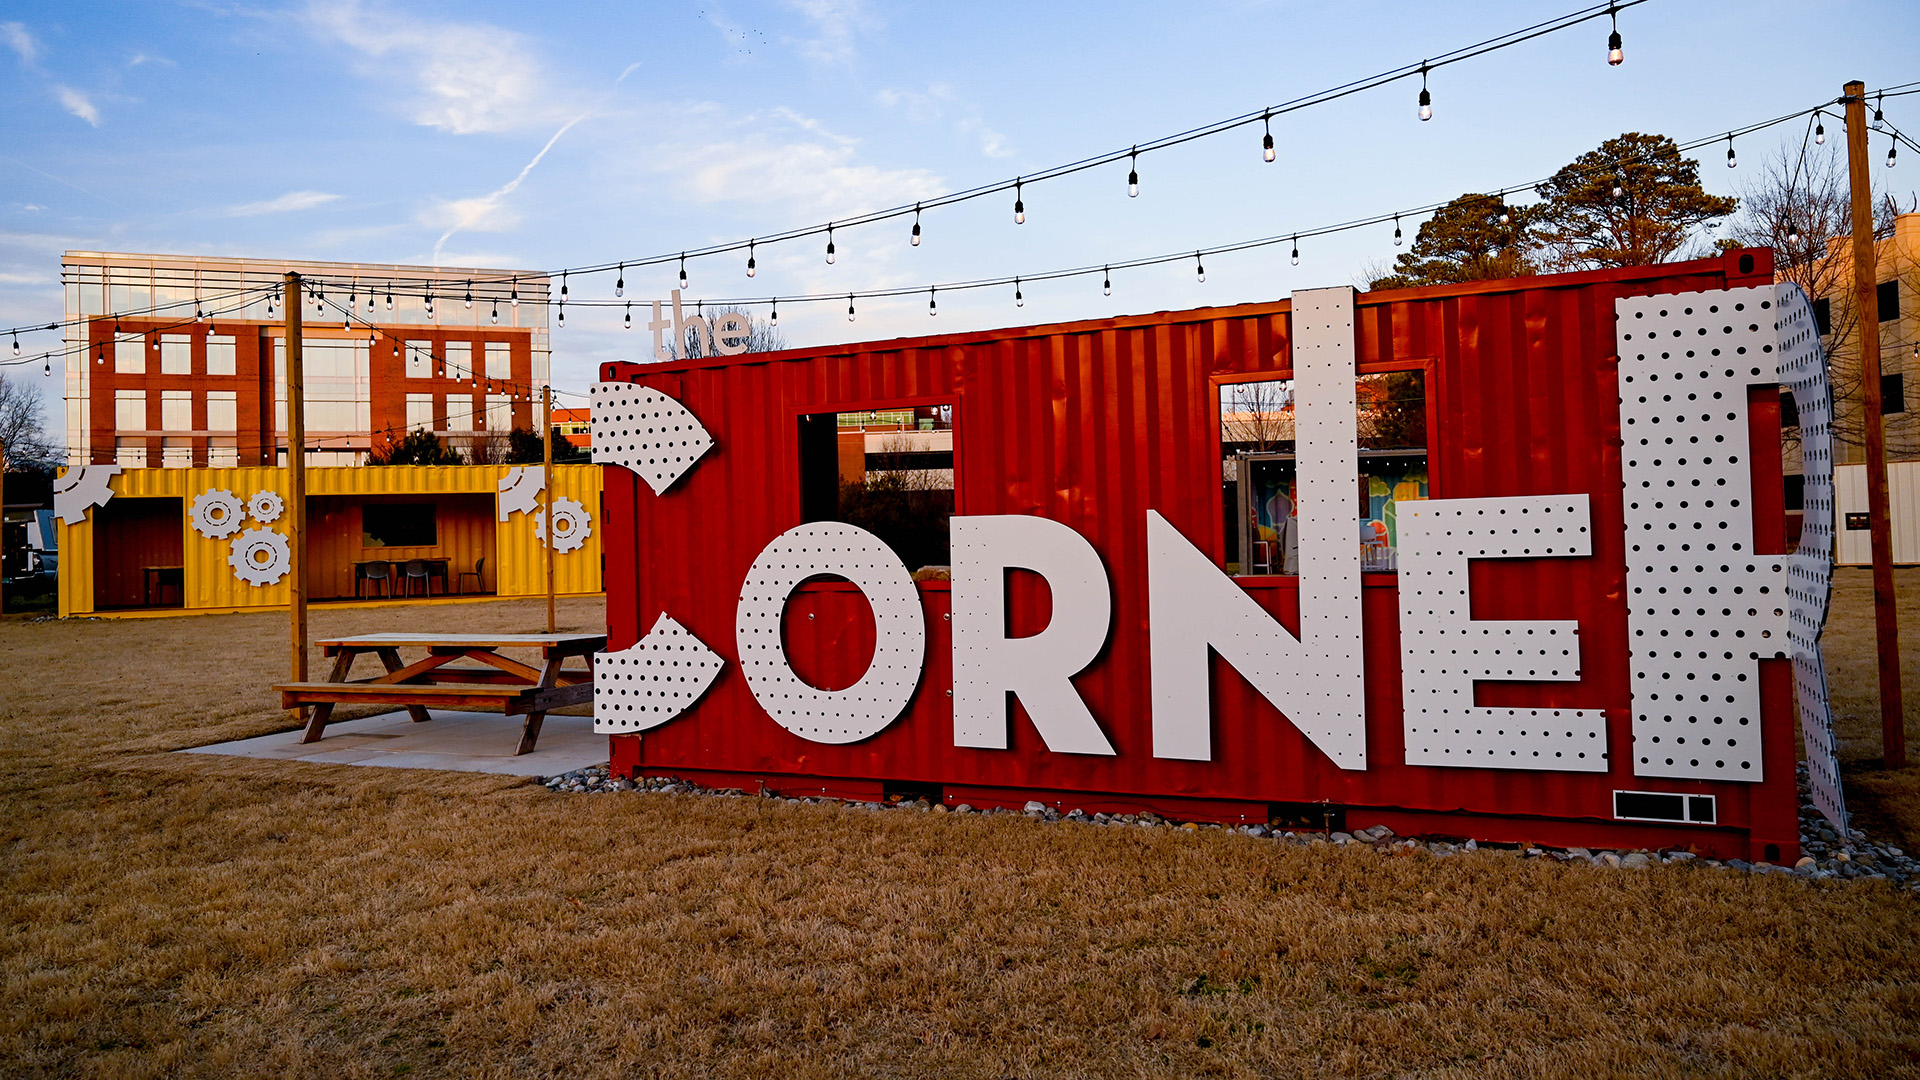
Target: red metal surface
{"points": [[1095, 423]]}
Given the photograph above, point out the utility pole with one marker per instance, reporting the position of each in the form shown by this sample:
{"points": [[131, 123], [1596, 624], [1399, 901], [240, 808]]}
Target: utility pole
{"points": [[1866, 307], [296, 485], [546, 490]]}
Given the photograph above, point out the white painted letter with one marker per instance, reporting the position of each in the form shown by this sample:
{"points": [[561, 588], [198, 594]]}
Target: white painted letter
{"points": [[732, 331], [1039, 669]]}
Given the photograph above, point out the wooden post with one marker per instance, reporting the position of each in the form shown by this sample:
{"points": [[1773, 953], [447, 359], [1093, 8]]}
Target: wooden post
{"points": [[546, 490], [296, 484], [1866, 278]]}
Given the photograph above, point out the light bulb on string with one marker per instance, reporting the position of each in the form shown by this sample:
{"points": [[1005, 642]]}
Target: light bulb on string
{"points": [[620, 283], [561, 315], [913, 238], [1266, 141], [1019, 206], [849, 307], [1620, 180], [1397, 235], [429, 299], [353, 300], [683, 270], [1820, 130], [1732, 161], [16, 341], [1426, 98], [774, 319], [932, 307], [1133, 173], [1296, 249], [563, 286], [750, 264], [829, 243], [1199, 271], [369, 301], [270, 304], [100, 357], [1615, 54], [496, 311], [1018, 300], [389, 296], [46, 368], [513, 298], [1506, 217], [1793, 233], [1106, 281], [1879, 118], [469, 297], [1893, 149]]}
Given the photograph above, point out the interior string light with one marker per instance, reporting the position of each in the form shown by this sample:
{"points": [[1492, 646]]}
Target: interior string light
{"points": [[1266, 141], [1426, 97], [829, 243], [914, 237], [620, 283], [750, 264], [1019, 205], [1615, 55]]}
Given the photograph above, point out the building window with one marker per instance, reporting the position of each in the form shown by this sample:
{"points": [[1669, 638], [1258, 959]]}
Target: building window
{"points": [[220, 355], [419, 359], [1823, 316], [397, 525], [459, 412], [499, 412], [1256, 430], [459, 359], [176, 354], [130, 453], [1888, 295], [176, 453], [222, 453], [419, 412], [130, 410], [130, 355], [499, 360], [223, 410], [889, 472], [1893, 394], [176, 410]]}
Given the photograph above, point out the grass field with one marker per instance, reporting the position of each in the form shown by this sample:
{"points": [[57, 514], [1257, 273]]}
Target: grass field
{"points": [[184, 915]]}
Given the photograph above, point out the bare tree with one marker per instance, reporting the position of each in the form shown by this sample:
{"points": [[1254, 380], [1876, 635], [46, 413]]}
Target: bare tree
{"points": [[22, 435], [490, 447], [1257, 415], [1799, 204], [762, 336]]}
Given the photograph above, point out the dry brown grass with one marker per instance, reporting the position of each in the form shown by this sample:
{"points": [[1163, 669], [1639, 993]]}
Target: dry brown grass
{"points": [[172, 915]]}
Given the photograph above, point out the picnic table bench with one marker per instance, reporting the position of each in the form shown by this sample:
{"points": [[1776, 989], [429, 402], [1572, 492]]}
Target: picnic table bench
{"points": [[496, 682]]}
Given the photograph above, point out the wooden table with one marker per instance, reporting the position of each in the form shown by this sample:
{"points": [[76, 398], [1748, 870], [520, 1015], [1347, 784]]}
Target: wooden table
{"points": [[497, 682]]}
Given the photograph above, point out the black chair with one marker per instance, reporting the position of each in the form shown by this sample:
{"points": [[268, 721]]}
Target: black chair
{"points": [[478, 574]]}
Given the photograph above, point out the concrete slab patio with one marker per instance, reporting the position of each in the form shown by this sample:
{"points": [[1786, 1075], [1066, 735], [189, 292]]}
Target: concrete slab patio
{"points": [[455, 741]]}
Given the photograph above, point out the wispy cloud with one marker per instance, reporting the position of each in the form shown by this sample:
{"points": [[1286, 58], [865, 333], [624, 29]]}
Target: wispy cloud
{"points": [[20, 41], [835, 24], [78, 104], [291, 201], [936, 103], [484, 213], [468, 77]]}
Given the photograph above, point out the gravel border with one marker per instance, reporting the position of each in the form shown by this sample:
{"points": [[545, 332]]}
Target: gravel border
{"points": [[1825, 854]]}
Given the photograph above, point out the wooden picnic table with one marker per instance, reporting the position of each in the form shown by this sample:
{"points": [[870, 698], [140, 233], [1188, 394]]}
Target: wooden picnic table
{"points": [[496, 682]]}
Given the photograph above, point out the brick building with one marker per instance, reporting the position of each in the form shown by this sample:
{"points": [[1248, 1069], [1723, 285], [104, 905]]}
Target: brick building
{"points": [[180, 361]]}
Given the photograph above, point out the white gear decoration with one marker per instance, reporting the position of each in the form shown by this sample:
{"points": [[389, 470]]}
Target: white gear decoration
{"points": [[81, 488], [217, 514], [520, 490], [571, 525], [260, 557], [266, 506]]}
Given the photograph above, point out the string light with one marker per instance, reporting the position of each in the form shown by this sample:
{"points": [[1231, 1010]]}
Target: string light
{"points": [[1820, 130], [100, 356], [1266, 141], [469, 297], [1106, 281], [16, 339], [270, 304], [429, 299], [1296, 249], [1793, 233], [353, 300], [513, 299], [913, 238], [1019, 207], [683, 270], [849, 307], [932, 307], [1133, 173], [1426, 98], [1893, 149], [563, 286], [620, 283], [1615, 55], [389, 296], [1879, 118], [750, 266], [1732, 161], [1396, 230], [46, 368], [829, 243], [1018, 300], [1505, 216], [1620, 179], [774, 319], [496, 311], [1199, 271]]}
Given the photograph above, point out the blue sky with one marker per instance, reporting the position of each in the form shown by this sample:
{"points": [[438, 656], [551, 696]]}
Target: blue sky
{"points": [[396, 133]]}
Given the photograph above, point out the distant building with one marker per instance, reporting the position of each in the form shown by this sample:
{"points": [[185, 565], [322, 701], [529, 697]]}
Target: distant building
{"points": [[1897, 320], [180, 361], [576, 425]]}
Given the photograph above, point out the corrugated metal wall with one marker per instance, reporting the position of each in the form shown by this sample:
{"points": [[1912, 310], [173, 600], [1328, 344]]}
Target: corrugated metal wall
{"points": [[467, 530], [1903, 508], [1093, 424]]}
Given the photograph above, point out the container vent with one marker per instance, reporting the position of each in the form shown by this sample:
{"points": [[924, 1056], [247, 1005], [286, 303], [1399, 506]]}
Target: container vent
{"points": [[1664, 806]]}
